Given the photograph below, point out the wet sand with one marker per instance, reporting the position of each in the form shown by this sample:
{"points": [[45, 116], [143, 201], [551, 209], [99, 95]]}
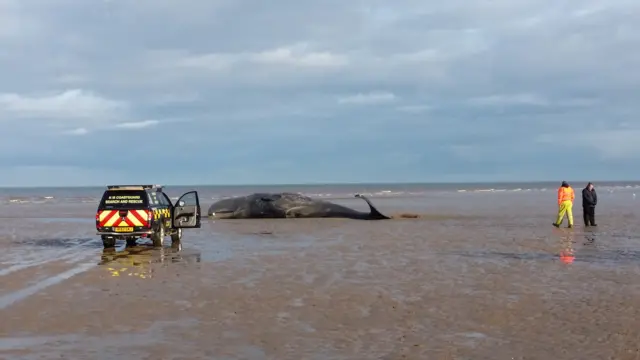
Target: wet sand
{"points": [[482, 278]]}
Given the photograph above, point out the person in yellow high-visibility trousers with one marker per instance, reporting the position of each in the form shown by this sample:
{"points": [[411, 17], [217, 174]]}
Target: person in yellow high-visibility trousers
{"points": [[565, 204]]}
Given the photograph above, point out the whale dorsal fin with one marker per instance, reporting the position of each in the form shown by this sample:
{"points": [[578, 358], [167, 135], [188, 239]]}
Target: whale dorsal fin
{"points": [[374, 213]]}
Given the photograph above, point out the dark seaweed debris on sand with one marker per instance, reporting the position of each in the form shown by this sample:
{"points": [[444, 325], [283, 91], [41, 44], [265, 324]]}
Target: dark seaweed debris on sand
{"points": [[425, 216]]}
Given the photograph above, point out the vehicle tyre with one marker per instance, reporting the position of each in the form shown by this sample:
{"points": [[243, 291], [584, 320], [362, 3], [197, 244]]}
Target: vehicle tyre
{"points": [[158, 237], [177, 236], [176, 245], [108, 242]]}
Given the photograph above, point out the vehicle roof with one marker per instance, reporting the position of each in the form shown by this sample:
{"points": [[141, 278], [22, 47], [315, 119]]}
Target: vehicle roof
{"points": [[134, 187]]}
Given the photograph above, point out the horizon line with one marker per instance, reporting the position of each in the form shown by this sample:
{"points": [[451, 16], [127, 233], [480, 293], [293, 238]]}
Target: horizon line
{"points": [[329, 183]]}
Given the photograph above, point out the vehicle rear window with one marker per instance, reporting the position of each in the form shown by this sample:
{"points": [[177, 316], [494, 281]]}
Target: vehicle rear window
{"points": [[124, 199]]}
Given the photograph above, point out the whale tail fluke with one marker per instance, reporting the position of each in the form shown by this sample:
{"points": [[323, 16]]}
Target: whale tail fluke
{"points": [[374, 214]]}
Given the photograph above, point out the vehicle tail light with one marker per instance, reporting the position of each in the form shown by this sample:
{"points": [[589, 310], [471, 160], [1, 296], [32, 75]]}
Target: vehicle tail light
{"points": [[149, 217], [122, 213]]}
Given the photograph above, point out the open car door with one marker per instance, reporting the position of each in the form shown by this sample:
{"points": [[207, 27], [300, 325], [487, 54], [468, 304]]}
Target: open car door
{"points": [[186, 213]]}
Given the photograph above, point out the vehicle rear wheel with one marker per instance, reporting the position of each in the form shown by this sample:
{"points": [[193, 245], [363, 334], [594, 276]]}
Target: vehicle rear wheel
{"points": [[176, 236], [158, 237], [176, 245], [108, 242]]}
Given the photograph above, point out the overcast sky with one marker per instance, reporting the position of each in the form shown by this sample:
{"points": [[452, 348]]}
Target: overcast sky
{"points": [[284, 91]]}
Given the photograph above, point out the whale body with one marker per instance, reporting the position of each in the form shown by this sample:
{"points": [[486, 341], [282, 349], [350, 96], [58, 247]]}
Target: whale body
{"points": [[287, 205]]}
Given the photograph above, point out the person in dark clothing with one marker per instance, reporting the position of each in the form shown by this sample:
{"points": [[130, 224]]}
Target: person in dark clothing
{"points": [[589, 202]]}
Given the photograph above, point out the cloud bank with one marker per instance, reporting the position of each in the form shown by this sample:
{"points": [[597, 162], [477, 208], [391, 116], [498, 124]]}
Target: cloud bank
{"points": [[245, 91]]}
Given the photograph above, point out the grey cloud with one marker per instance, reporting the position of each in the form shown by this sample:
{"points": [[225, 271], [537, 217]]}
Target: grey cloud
{"points": [[373, 97], [73, 103], [421, 44], [462, 73], [611, 144]]}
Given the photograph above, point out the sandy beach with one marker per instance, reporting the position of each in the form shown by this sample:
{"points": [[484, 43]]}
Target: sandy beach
{"points": [[479, 275]]}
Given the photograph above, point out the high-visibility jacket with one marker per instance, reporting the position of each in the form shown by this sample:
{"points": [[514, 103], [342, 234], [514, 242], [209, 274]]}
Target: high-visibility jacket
{"points": [[565, 194]]}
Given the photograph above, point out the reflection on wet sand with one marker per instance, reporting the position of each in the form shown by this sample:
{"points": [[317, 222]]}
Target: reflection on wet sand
{"points": [[567, 252], [138, 260], [590, 238]]}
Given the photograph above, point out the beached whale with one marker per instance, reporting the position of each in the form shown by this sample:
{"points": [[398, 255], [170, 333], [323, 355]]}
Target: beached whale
{"points": [[287, 205]]}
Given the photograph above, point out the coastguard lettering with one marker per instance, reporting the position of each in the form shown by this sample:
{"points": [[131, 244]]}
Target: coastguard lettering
{"points": [[123, 199]]}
